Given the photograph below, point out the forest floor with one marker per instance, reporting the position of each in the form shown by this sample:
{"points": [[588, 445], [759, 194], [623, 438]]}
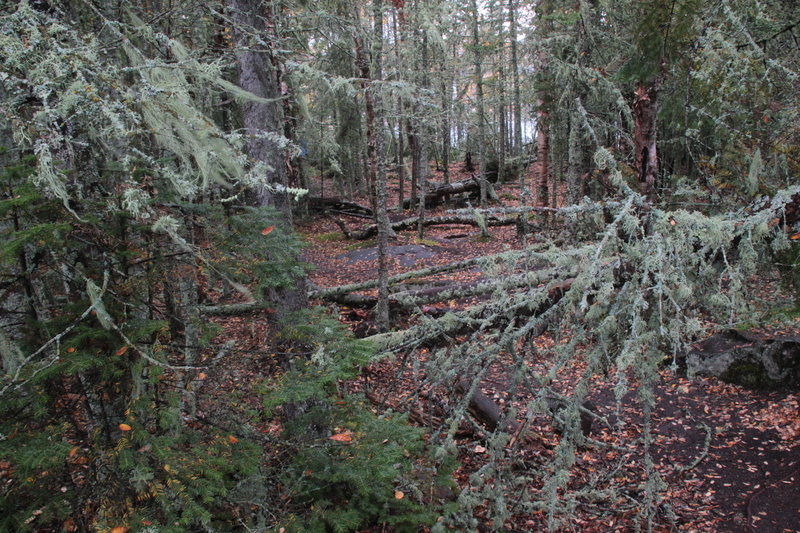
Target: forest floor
{"points": [[729, 457]]}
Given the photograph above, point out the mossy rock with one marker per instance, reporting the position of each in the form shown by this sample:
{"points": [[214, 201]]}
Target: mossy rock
{"points": [[757, 361]]}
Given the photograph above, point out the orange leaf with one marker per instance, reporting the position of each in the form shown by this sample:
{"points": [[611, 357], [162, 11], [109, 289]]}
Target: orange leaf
{"points": [[70, 350], [795, 237], [122, 350], [120, 529], [125, 427], [232, 439], [398, 495], [73, 451], [346, 436], [201, 375], [267, 230]]}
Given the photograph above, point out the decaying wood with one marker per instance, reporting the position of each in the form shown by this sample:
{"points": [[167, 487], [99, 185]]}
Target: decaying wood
{"points": [[484, 409], [412, 223], [339, 206], [452, 291], [485, 315], [236, 309], [425, 272], [440, 193]]}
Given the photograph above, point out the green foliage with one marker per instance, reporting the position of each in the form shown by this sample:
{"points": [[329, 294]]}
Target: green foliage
{"points": [[270, 259], [344, 485], [358, 483]]}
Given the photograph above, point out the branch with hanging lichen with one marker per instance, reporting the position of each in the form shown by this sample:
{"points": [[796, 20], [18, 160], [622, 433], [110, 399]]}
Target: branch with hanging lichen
{"points": [[14, 382]]}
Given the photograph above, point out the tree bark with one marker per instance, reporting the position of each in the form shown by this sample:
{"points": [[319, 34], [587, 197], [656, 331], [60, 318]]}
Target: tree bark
{"points": [[258, 75], [512, 23], [413, 223], [264, 120], [444, 191], [645, 112], [478, 58]]}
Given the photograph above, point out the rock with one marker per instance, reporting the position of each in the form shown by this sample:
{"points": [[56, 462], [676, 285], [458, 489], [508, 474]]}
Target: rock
{"points": [[747, 359]]}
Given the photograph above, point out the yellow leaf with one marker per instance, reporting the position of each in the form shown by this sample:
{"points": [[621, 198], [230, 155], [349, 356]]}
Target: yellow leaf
{"points": [[125, 427], [398, 495]]}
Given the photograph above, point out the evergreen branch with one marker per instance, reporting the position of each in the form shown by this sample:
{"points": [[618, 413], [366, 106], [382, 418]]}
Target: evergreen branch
{"points": [[56, 339]]}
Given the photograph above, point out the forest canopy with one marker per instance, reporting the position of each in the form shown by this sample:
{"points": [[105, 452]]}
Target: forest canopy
{"points": [[159, 159]]}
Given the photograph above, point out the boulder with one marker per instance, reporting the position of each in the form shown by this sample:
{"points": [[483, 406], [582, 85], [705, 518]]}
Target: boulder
{"points": [[758, 361]]}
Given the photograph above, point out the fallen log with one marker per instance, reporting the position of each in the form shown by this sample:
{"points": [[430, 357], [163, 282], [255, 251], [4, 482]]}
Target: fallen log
{"points": [[452, 291], [484, 409], [482, 316], [412, 222], [444, 191], [513, 255], [342, 207]]}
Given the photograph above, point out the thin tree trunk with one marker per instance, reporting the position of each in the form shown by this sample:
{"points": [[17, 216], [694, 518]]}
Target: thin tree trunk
{"points": [[479, 90], [423, 154], [446, 88], [382, 219], [512, 22], [542, 157], [645, 111]]}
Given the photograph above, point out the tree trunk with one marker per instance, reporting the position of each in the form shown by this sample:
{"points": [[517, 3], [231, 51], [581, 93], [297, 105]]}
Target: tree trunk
{"points": [[542, 157], [645, 111], [262, 120], [512, 22], [258, 75], [445, 191], [478, 57], [378, 168]]}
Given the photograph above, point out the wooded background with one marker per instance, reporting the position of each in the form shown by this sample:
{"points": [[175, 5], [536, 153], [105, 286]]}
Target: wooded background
{"points": [[156, 157]]}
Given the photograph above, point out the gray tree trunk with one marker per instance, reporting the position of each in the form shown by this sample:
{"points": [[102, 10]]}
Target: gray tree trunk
{"points": [[257, 74], [478, 57]]}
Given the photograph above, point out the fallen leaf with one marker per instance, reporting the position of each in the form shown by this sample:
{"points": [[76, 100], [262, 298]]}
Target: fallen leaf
{"points": [[479, 449], [125, 427], [122, 350], [70, 350], [120, 529], [345, 436], [398, 495], [232, 439], [267, 230]]}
